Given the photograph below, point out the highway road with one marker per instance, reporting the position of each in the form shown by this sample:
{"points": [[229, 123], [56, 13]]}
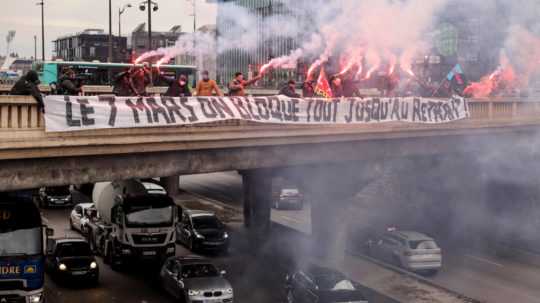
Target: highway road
{"points": [[256, 277], [473, 272]]}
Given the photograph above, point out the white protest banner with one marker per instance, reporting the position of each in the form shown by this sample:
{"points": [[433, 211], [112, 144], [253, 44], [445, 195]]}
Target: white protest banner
{"points": [[74, 113]]}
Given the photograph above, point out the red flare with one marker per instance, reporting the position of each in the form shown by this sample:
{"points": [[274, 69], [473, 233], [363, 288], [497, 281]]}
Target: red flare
{"points": [[370, 72], [312, 69], [264, 68]]}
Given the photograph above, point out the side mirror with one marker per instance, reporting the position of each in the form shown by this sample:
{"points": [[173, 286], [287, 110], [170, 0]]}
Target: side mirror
{"points": [[49, 232], [181, 283]]}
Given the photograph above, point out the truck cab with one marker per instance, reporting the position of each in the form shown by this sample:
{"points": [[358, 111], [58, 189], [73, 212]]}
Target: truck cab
{"points": [[134, 225], [21, 252]]}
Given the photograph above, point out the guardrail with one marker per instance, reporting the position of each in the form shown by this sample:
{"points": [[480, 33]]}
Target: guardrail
{"points": [[92, 90], [20, 112]]}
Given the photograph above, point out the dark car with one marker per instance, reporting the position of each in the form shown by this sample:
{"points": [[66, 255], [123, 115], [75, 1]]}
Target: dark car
{"points": [[195, 280], [321, 285], [70, 260], [202, 230], [55, 196], [286, 198]]}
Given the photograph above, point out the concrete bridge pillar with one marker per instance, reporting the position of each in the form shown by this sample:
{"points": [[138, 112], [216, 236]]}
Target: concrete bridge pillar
{"points": [[171, 184], [329, 190], [257, 202]]}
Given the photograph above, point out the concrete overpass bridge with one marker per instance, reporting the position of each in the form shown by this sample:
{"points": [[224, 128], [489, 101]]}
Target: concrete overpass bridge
{"points": [[30, 157]]}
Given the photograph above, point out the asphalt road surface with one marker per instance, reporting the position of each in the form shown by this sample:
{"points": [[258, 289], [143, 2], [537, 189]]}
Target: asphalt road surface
{"points": [[474, 273], [256, 277]]}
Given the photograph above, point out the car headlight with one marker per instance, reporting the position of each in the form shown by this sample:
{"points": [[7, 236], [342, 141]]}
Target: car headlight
{"points": [[35, 298], [62, 266], [192, 292], [199, 236], [93, 265], [229, 291], [225, 235], [170, 249]]}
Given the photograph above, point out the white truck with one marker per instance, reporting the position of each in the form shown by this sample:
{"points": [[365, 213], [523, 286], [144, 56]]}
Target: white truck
{"points": [[131, 224]]}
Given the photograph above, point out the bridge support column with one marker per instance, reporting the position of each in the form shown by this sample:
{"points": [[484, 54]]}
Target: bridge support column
{"points": [[257, 203], [330, 202], [171, 184]]}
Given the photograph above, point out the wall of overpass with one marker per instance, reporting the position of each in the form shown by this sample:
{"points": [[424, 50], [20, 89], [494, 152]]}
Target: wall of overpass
{"points": [[30, 158]]}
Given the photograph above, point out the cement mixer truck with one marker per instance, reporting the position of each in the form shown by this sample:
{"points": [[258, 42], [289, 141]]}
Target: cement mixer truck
{"points": [[131, 224]]}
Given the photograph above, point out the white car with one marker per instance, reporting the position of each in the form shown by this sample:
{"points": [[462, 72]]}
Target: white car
{"points": [[408, 249], [78, 217]]}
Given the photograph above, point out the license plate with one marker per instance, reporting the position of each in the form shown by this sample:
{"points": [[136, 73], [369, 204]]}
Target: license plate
{"points": [[213, 243], [78, 273], [149, 253]]}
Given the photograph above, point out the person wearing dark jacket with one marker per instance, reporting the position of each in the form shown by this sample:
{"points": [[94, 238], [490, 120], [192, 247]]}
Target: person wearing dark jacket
{"points": [[67, 84], [123, 85], [289, 90], [28, 86], [177, 88], [308, 89]]}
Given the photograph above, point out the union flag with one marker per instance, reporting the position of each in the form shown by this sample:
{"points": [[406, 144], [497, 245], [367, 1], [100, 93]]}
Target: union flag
{"points": [[323, 88]]}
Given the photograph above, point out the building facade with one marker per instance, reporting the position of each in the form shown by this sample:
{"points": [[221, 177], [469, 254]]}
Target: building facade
{"points": [[269, 43], [139, 38], [90, 45]]}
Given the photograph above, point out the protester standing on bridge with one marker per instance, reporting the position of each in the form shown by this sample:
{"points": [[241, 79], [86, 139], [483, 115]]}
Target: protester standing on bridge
{"points": [[28, 86], [337, 86], [67, 84], [177, 88], [123, 84], [141, 78], [308, 88], [237, 87], [289, 90], [207, 86]]}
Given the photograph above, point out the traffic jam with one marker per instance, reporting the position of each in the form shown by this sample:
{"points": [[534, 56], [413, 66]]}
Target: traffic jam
{"points": [[135, 223]]}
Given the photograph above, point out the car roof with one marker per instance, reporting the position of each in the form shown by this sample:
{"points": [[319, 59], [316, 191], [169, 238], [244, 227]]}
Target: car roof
{"points": [[85, 205], [197, 213], [192, 260], [69, 240], [411, 235], [317, 270]]}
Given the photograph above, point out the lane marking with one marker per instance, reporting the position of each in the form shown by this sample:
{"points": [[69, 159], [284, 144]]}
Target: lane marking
{"points": [[290, 219], [484, 260]]}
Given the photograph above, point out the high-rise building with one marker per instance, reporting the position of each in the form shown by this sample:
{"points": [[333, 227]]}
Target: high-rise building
{"points": [[90, 45], [269, 43]]}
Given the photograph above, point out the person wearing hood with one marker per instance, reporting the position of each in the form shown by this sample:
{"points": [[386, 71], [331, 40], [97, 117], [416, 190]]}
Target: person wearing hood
{"points": [[177, 88], [67, 84], [28, 86], [289, 90], [207, 87]]}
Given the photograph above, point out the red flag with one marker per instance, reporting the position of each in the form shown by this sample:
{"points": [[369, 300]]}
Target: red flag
{"points": [[323, 87]]}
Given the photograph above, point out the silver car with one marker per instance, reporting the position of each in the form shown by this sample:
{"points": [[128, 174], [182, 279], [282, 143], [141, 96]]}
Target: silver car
{"points": [[408, 249], [195, 279]]}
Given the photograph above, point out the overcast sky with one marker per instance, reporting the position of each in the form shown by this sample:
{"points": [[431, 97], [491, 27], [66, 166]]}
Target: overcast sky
{"points": [[71, 16]]}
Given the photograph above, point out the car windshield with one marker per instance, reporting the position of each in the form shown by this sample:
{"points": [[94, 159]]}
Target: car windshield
{"points": [[58, 191], [199, 271], [149, 216], [333, 282], [423, 244], [206, 222], [73, 249], [22, 241]]}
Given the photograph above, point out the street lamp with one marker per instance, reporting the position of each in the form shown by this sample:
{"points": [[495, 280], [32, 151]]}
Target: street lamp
{"points": [[142, 6], [42, 29], [120, 12]]}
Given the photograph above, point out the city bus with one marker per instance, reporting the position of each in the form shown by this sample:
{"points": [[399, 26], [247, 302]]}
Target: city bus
{"points": [[97, 73], [22, 250]]}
